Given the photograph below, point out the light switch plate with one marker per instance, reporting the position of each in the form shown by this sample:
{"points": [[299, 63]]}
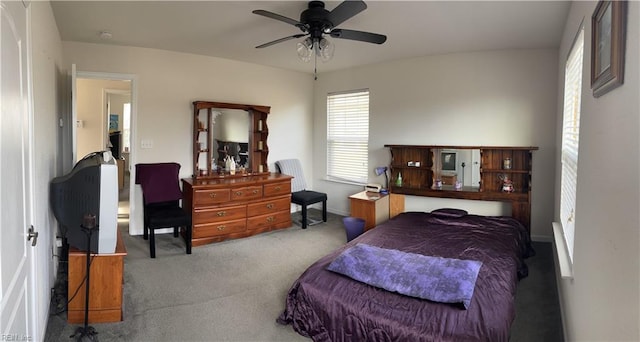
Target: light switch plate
{"points": [[146, 143]]}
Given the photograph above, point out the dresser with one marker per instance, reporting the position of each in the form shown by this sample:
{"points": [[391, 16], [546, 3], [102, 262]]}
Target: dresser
{"points": [[236, 207]]}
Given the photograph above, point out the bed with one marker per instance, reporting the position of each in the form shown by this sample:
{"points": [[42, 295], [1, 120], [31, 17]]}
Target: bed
{"points": [[328, 306]]}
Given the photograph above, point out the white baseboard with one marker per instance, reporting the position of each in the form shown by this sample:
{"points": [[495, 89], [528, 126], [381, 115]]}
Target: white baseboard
{"points": [[541, 238]]}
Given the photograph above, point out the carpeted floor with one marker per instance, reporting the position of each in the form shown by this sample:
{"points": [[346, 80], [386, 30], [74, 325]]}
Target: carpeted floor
{"points": [[235, 290]]}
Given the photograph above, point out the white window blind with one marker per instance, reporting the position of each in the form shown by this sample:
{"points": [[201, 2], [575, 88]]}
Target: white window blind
{"points": [[570, 139], [348, 136]]}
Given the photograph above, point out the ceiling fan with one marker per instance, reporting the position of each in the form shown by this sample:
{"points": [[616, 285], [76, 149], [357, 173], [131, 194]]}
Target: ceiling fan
{"points": [[316, 21]]}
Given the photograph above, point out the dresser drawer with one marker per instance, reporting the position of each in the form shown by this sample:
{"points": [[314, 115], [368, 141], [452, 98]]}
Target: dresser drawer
{"points": [[268, 220], [269, 206], [213, 215], [203, 198], [276, 189], [246, 193], [219, 228]]}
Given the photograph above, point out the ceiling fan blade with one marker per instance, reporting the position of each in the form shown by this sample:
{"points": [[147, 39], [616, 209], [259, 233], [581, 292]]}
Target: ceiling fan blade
{"points": [[280, 40], [359, 35], [278, 17], [346, 10]]}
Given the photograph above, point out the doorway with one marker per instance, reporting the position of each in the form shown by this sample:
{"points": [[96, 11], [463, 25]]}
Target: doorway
{"points": [[118, 128], [104, 113]]}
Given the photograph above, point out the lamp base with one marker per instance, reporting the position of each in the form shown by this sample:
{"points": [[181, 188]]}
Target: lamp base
{"points": [[85, 333]]}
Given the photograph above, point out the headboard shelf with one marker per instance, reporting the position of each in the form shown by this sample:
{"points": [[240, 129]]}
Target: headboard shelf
{"points": [[485, 173]]}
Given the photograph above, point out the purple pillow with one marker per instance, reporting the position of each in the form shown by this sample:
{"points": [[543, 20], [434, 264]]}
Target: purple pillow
{"points": [[449, 212], [429, 277]]}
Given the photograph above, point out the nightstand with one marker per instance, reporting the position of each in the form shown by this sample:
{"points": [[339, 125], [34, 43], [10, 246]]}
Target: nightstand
{"points": [[375, 208]]}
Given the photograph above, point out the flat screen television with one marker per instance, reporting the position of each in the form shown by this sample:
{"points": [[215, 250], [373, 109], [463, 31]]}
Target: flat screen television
{"points": [[90, 188]]}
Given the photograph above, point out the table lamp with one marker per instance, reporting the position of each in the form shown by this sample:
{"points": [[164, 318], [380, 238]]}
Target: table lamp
{"points": [[380, 170]]}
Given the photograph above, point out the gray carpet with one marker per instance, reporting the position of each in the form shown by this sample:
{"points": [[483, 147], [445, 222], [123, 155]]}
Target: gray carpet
{"points": [[235, 290]]}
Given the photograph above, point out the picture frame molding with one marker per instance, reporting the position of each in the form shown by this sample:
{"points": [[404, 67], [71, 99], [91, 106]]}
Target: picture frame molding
{"points": [[608, 77]]}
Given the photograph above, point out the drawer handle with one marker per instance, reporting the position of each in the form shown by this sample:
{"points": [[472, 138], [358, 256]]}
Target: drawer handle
{"points": [[270, 219], [255, 192], [222, 227], [270, 206], [278, 188], [212, 195], [238, 193], [222, 213]]}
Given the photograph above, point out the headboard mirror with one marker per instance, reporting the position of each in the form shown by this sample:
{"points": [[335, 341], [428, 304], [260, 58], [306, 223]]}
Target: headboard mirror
{"points": [[237, 131], [461, 165]]}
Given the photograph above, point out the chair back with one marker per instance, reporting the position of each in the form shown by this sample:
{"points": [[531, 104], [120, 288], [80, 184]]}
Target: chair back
{"points": [[293, 167], [159, 182]]}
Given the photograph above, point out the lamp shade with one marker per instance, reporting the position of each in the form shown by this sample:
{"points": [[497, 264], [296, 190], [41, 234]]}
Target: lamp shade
{"points": [[380, 170], [325, 50], [305, 49]]}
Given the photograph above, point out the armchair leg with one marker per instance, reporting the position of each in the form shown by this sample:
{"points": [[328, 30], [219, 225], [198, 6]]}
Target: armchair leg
{"points": [[145, 234], [152, 243], [304, 217], [324, 211], [188, 239], [175, 231]]}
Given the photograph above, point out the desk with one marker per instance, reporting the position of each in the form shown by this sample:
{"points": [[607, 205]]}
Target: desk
{"points": [[105, 292], [449, 179]]}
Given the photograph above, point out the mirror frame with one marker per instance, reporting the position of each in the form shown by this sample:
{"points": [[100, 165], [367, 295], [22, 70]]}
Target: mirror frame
{"points": [[258, 134]]}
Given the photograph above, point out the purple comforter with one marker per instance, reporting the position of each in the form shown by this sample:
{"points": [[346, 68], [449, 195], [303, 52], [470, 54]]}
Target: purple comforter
{"points": [[327, 306]]}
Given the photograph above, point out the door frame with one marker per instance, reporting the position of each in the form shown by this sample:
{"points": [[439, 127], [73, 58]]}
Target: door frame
{"points": [[133, 150]]}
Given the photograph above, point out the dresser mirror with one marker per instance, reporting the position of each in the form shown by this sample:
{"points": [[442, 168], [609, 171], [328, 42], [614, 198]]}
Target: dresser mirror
{"points": [[230, 137]]}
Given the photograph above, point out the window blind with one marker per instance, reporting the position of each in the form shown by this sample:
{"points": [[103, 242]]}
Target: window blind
{"points": [[348, 136], [570, 139]]}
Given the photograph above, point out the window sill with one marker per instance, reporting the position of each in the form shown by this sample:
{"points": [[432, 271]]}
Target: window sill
{"points": [[564, 260], [342, 181]]}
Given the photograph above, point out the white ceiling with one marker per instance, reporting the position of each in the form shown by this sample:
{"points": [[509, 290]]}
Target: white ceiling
{"points": [[228, 29]]}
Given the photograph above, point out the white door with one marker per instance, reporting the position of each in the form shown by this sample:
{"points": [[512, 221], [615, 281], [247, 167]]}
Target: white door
{"points": [[17, 319]]}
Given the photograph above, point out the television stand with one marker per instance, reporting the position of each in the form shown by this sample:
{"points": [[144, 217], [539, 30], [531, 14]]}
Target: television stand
{"points": [[105, 288]]}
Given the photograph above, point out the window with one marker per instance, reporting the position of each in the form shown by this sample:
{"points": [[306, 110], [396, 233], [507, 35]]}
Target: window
{"points": [[348, 136], [570, 139]]}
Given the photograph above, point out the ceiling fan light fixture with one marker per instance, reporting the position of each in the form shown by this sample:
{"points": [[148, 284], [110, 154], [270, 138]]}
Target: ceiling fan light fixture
{"points": [[325, 49], [305, 49]]}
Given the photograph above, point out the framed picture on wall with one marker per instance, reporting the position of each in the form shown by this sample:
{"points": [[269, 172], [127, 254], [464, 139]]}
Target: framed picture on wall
{"points": [[113, 122], [608, 26]]}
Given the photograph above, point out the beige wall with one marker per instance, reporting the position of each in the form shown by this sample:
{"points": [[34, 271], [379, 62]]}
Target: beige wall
{"points": [[168, 82], [602, 301], [503, 98]]}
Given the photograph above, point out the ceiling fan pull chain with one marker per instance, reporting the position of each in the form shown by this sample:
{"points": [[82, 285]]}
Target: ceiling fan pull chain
{"points": [[315, 67]]}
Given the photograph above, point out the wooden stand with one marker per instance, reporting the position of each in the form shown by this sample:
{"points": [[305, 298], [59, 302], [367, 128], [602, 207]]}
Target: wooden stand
{"points": [[375, 208], [105, 289]]}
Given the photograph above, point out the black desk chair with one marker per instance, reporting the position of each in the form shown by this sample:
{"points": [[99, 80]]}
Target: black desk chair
{"points": [[161, 195], [299, 194]]}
